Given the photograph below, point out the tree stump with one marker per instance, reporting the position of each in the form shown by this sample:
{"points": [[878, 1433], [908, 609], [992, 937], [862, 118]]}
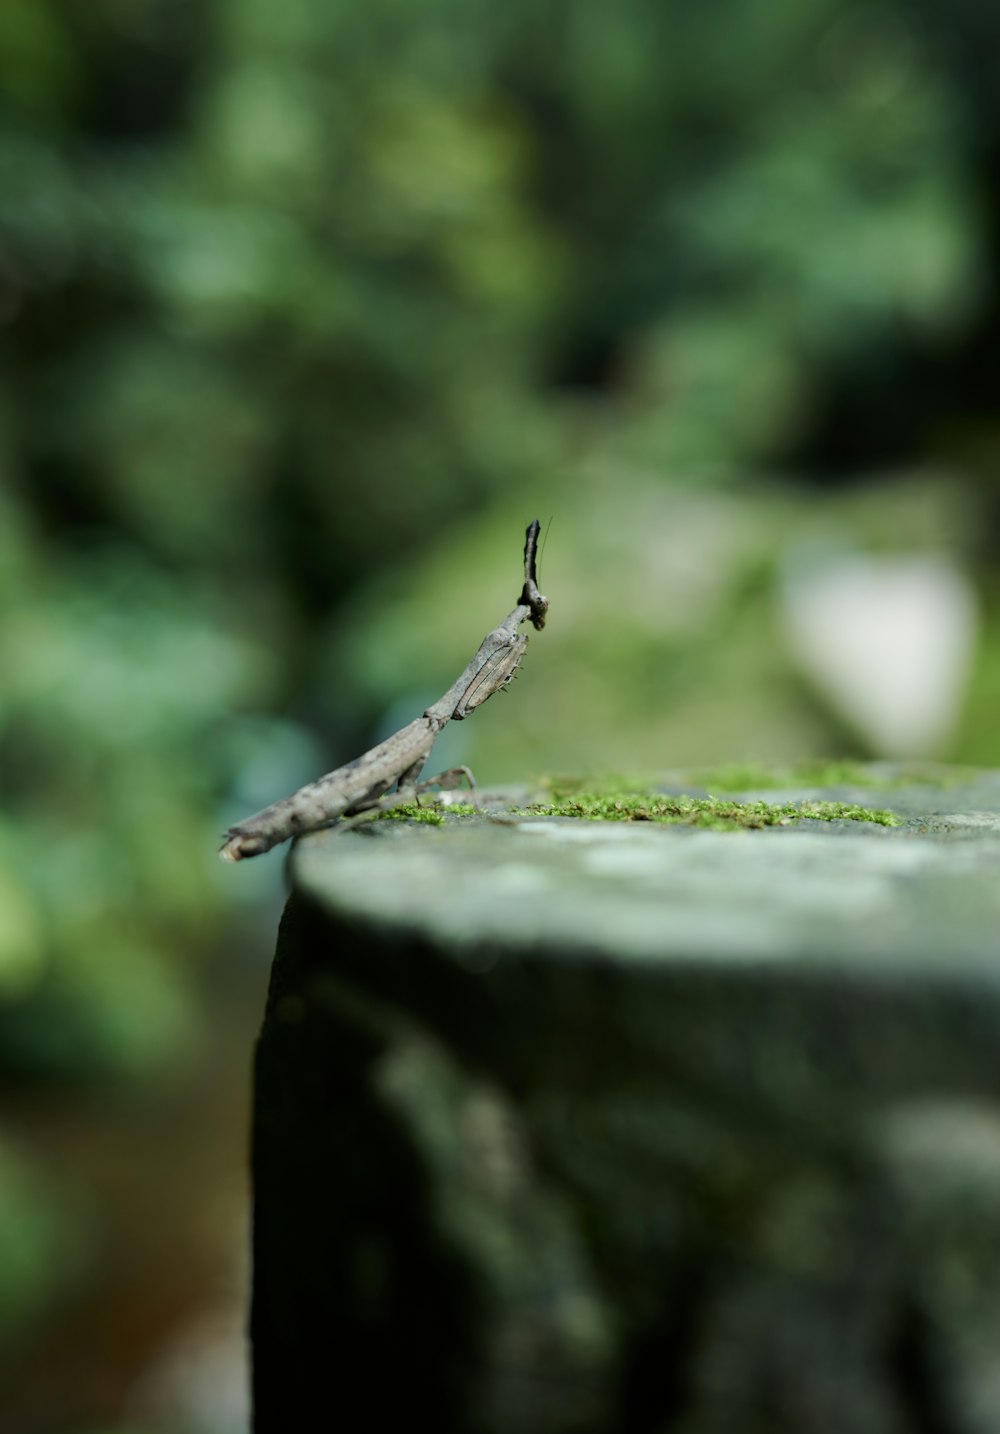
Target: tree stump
{"points": [[573, 1127]]}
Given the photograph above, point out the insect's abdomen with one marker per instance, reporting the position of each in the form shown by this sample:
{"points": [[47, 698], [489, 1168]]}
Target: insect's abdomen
{"points": [[495, 674]]}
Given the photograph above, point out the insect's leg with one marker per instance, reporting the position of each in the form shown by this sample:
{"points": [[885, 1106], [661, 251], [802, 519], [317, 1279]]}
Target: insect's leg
{"points": [[362, 815], [449, 780], [406, 788], [379, 800]]}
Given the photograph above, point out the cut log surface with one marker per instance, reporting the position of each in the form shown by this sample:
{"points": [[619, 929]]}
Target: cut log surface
{"points": [[567, 1126]]}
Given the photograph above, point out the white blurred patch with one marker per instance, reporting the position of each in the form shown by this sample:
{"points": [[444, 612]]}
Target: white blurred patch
{"points": [[888, 640], [199, 1383]]}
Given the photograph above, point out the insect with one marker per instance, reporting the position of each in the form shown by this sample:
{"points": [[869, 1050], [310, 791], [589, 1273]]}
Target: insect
{"points": [[364, 784]]}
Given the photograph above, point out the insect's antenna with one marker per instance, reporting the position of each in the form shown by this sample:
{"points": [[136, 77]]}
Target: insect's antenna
{"points": [[541, 551]]}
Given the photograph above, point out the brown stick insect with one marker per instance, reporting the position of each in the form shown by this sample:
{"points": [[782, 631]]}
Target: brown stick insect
{"points": [[364, 785]]}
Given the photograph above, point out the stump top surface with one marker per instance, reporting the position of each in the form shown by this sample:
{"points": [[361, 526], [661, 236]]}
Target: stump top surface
{"points": [[923, 896]]}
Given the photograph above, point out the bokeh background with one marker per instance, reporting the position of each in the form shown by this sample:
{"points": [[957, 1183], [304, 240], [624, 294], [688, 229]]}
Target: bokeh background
{"points": [[305, 310]]}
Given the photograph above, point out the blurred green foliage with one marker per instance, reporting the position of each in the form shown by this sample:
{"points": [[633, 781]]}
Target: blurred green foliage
{"points": [[288, 291], [306, 309], [40, 1246]]}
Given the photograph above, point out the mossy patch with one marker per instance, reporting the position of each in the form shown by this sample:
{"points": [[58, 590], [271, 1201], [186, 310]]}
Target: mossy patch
{"points": [[431, 816], [715, 813], [758, 776], [615, 801], [561, 787]]}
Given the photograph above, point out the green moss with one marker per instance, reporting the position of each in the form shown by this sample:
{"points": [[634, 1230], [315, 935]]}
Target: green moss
{"points": [[759, 776], [616, 801], [715, 813], [412, 812], [432, 816], [605, 784]]}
